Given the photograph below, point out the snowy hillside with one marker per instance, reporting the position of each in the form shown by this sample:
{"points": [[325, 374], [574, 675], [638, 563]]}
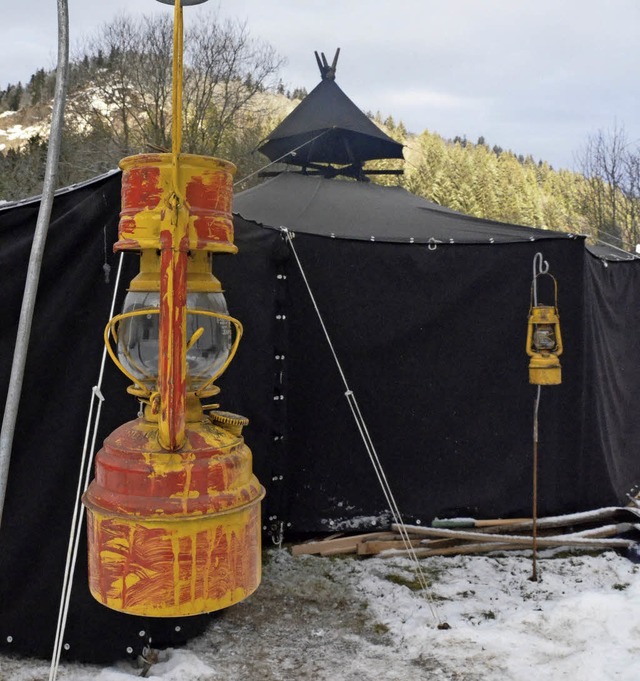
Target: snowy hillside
{"points": [[18, 127]]}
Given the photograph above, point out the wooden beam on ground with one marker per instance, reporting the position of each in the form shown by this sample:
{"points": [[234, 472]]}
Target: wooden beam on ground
{"points": [[549, 522], [527, 541], [372, 548], [342, 544]]}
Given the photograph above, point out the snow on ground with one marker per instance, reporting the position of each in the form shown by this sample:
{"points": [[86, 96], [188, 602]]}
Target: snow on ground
{"points": [[349, 619]]}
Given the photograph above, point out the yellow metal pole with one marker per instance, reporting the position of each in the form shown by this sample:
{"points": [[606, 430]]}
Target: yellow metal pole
{"points": [[174, 249], [176, 123]]}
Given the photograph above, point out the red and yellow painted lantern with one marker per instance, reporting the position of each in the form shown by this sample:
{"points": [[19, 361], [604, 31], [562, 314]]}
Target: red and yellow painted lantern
{"points": [[174, 510]]}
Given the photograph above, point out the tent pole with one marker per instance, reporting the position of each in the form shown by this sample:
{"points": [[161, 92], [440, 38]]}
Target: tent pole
{"points": [[37, 252]]}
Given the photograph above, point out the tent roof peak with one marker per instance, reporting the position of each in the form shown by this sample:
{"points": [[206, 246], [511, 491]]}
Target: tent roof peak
{"points": [[327, 72], [328, 134]]}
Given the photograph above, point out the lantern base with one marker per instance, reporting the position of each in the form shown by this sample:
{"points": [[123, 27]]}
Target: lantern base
{"points": [[173, 534], [545, 370]]}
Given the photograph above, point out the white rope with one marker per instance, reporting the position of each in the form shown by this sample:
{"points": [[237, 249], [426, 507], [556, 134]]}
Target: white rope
{"points": [[292, 151], [84, 477], [368, 442]]}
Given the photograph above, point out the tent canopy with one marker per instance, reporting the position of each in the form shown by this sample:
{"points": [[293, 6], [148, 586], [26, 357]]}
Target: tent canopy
{"points": [[357, 210], [327, 127]]}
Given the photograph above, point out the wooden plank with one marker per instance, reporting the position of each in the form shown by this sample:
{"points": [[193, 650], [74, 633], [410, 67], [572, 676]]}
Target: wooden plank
{"points": [[454, 523], [603, 531], [459, 549], [330, 544], [487, 547], [440, 543], [445, 538], [339, 550], [385, 536], [371, 548], [436, 546]]}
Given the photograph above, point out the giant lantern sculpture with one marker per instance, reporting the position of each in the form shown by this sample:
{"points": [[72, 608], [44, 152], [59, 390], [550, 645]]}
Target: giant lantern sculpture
{"points": [[174, 510]]}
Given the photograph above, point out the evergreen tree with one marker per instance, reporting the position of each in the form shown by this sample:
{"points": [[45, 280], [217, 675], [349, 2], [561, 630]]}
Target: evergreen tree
{"points": [[37, 87], [484, 182], [14, 97]]}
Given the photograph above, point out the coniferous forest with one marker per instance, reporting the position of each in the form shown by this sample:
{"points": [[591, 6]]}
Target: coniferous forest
{"points": [[119, 104]]}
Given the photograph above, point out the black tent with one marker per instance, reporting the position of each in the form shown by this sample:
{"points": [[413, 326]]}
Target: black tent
{"points": [[427, 311]]}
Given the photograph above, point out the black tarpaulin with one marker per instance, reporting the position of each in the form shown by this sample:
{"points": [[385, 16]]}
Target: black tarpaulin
{"points": [[358, 210], [427, 309], [431, 338], [612, 372], [327, 127], [63, 363], [432, 345]]}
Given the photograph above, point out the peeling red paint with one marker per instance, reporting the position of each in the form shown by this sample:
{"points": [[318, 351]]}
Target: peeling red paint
{"points": [[212, 230], [209, 199], [172, 363], [128, 471], [141, 190], [215, 194], [127, 245]]}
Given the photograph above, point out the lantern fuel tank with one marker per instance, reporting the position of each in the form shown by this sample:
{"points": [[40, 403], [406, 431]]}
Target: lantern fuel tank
{"points": [[174, 533]]}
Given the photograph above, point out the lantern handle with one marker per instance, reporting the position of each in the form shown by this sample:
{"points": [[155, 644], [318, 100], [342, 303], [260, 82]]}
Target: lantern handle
{"points": [[534, 292], [111, 332], [232, 351]]}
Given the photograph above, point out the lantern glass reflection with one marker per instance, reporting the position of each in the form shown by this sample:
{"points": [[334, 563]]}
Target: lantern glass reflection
{"points": [[544, 337], [138, 340]]}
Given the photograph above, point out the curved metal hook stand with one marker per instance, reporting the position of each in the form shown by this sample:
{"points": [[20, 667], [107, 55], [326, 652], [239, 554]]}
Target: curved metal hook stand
{"points": [[540, 266]]}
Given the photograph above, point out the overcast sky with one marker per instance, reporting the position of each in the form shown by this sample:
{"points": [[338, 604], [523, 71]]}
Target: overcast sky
{"points": [[534, 76]]}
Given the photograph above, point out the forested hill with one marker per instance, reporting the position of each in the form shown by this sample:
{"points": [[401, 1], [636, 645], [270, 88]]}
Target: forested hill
{"points": [[119, 104]]}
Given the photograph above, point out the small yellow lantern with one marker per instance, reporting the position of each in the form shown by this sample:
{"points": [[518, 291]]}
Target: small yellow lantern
{"points": [[544, 340]]}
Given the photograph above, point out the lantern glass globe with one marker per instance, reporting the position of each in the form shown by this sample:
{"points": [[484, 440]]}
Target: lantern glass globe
{"points": [[138, 337]]}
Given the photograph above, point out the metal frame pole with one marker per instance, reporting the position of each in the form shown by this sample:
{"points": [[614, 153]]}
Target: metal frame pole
{"points": [[37, 252]]}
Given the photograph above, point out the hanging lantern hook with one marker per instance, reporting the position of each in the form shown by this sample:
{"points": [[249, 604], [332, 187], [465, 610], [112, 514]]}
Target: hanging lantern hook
{"points": [[540, 266]]}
